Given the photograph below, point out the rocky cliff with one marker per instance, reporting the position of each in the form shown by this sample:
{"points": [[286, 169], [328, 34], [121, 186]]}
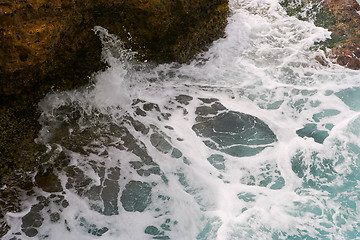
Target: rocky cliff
{"points": [[40, 38], [346, 32], [50, 45], [341, 17]]}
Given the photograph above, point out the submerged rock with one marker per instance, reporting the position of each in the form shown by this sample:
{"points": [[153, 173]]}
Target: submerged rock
{"points": [[237, 134], [310, 130]]}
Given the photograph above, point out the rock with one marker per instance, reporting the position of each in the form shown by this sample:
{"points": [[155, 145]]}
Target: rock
{"points": [[183, 99], [159, 142], [44, 41], [51, 45], [347, 29], [48, 181], [341, 17], [136, 196], [46, 45]]}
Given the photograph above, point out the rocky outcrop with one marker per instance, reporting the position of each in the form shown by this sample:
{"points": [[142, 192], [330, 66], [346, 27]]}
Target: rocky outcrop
{"points": [[44, 38], [51, 45], [346, 30], [341, 17]]}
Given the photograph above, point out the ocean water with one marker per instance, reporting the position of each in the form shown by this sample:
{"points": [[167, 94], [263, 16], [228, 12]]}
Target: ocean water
{"points": [[254, 139]]}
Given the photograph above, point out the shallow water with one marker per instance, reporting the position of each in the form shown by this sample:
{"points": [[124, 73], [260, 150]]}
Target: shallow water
{"points": [[252, 140]]}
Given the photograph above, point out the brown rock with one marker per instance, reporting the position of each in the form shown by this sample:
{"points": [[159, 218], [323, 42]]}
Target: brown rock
{"points": [[48, 181], [341, 17], [321, 60], [51, 45], [347, 30], [41, 41]]}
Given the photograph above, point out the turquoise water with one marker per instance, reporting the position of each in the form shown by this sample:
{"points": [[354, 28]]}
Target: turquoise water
{"points": [[253, 139]]}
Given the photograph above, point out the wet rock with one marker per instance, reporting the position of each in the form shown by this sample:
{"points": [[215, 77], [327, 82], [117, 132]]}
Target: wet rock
{"points": [[65, 204], [3, 226], [208, 100], [136, 165], [131, 144], [54, 217], [213, 109], [150, 106], [159, 142], [165, 116], [110, 191], [156, 233], [206, 110], [183, 99], [32, 220], [148, 172], [51, 45], [38, 37], [109, 195], [136, 197], [152, 230], [341, 18], [176, 153], [78, 181], [48, 181], [138, 126], [30, 232], [43, 201], [92, 228], [140, 112], [98, 231]]}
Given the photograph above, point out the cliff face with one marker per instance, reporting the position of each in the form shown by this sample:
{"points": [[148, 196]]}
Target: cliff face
{"points": [[45, 38], [51, 45], [341, 17]]}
